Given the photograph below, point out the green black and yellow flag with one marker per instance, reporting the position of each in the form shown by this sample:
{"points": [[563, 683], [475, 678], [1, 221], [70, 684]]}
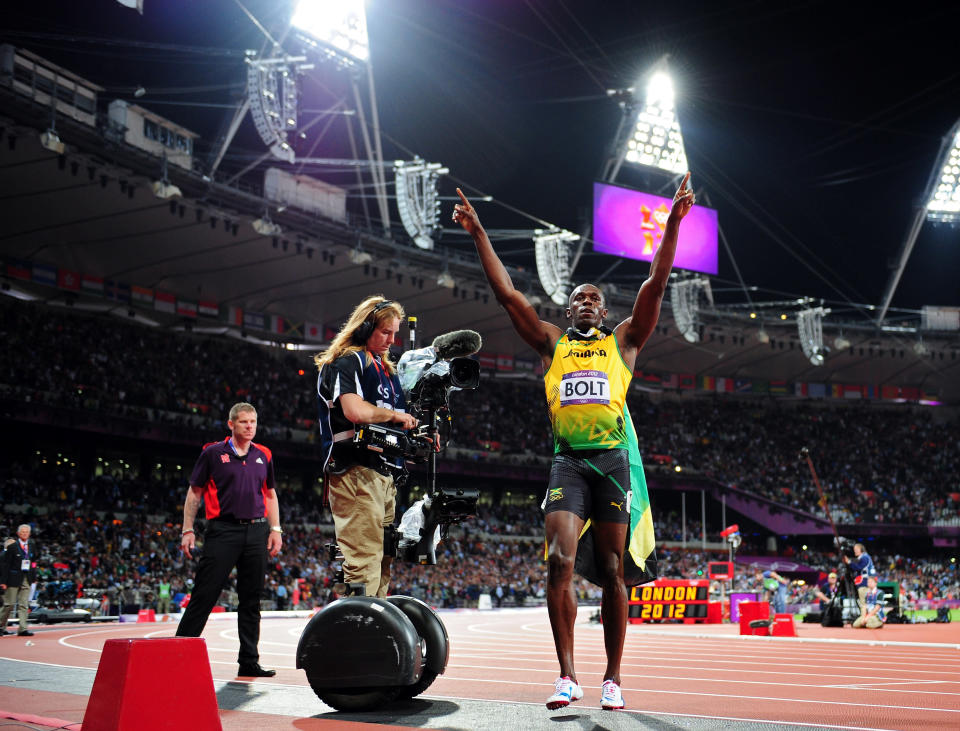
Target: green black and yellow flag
{"points": [[639, 557]]}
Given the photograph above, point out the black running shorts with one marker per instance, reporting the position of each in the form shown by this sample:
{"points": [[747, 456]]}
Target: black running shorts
{"points": [[592, 484]]}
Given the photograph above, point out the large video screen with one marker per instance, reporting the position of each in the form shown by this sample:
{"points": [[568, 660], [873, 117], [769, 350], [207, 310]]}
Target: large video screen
{"points": [[629, 223]]}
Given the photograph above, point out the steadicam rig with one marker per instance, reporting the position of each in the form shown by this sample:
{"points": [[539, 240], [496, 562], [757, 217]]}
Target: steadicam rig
{"points": [[360, 652]]}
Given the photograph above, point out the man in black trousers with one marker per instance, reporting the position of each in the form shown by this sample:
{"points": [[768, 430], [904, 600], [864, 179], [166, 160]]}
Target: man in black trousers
{"points": [[17, 572], [234, 480]]}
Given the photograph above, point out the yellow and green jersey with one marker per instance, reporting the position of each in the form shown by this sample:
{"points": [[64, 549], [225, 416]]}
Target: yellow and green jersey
{"points": [[586, 388]]}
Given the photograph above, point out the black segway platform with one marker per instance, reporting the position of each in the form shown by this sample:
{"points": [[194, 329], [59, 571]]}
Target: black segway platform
{"points": [[361, 652]]}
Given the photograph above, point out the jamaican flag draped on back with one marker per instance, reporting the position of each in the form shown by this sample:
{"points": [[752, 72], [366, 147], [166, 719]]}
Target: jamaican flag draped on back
{"points": [[586, 387], [639, 558]]}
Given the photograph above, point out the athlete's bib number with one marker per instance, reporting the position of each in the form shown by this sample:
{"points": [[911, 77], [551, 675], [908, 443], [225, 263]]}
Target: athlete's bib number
{"points": [[584, 387]]}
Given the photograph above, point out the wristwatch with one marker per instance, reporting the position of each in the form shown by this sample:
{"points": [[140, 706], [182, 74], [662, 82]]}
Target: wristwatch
{"points": [[276, 529]]}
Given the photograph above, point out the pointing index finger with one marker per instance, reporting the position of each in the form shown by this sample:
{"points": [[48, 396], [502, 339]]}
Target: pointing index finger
{"points": [[686, 178], [463, 197]]}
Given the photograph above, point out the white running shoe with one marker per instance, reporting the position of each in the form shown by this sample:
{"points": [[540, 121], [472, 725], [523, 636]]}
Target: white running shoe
{"points": [[565, 692], [612, 698]]}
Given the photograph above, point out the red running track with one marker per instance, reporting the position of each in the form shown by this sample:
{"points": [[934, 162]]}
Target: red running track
{"points": [[899, 677]]}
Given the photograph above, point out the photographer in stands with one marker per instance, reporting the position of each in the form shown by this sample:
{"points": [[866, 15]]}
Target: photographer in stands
{"points": [[358, 384]]}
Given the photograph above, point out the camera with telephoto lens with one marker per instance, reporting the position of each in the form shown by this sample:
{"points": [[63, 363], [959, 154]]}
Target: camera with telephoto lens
{"points": [[433, 387]]}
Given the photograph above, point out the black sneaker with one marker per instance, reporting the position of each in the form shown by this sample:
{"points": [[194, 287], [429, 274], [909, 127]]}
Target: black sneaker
{"points": [[255, 671], [24, 633]]}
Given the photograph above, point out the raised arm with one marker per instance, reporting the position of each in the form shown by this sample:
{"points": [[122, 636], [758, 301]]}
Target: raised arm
{"points": [[538, 334], [633, 332]]}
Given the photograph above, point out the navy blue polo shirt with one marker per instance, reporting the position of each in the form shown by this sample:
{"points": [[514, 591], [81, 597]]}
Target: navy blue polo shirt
{"points": [[234, 486], [352, 373]]}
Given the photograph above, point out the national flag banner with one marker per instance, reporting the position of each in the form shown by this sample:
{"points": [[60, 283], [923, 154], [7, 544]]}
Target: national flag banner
{"points": [[817, 390], [759, 386], [688, 381], [118, 291], [652, 379], [235, 316], [707, 383], [800, 389], [164, 302], [743, 385], [186, 309], [524, 364], [330, 332], [836, 390], [870, 391], [504, 361], [18, 269], [778, 387], [69, 280], [889, 392], [278, 325], [255, 320], [91, 283], [910, 393], [43, 274], [724, 385], [208, 309], [294, 331], [671, 380], [141, 294], [313, 331], [487, 360], [852, 392]]}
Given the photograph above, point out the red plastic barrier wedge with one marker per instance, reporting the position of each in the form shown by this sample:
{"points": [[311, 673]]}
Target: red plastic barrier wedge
{"points": [[783, 626], [750, 611], [147, 685], [146, 615]]}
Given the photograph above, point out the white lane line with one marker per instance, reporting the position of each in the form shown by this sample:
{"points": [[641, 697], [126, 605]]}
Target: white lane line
{"points": [[457, 656], [648, 691], [647, 712], [737, 681], [761, 660]]}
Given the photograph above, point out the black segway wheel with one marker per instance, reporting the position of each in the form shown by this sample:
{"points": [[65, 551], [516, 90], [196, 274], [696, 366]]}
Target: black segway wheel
{"points": [[434, 642], [355, 699]]}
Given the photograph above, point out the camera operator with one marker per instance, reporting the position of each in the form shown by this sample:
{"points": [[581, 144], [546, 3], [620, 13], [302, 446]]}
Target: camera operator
{"points": [[861, 568], [828, 593], [357, 384]]}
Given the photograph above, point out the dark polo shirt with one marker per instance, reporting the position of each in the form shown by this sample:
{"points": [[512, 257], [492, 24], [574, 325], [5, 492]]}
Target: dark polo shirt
{"points": [[234, 486]]}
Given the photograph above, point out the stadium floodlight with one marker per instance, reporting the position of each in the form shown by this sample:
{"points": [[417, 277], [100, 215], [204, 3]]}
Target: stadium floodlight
{"points": [[656, 140], [685, 300], [340, 25], [417, 199], [943, 204], [552, 250], [810, 329]]}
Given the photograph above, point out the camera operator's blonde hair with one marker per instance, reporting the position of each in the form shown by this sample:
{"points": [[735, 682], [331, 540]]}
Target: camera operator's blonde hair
{"points": [[343, 343]]}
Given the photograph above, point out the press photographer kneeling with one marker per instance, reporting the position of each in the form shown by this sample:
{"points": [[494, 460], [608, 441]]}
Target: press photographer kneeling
{"points": [[357, 384]]}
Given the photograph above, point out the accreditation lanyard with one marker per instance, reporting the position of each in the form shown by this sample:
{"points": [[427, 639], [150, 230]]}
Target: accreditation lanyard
{"points": [[25, 563], [386, 385]]}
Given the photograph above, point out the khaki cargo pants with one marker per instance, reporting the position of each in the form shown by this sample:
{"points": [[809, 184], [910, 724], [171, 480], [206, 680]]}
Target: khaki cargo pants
{"points": [[363, 502]]}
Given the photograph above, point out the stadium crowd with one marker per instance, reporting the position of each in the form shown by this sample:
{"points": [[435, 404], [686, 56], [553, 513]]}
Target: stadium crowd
{"points": [[117, 534], [877, 463]]}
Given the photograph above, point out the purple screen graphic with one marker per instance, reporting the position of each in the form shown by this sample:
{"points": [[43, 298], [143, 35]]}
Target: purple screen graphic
{"points": [[630, 223]]}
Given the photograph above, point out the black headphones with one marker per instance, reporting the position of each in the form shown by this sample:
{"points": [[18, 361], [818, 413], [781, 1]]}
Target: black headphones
{"points": [[363, 333]]}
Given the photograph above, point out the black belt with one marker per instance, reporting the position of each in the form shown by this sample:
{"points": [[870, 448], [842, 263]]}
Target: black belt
{"points": [[238, 521]]}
